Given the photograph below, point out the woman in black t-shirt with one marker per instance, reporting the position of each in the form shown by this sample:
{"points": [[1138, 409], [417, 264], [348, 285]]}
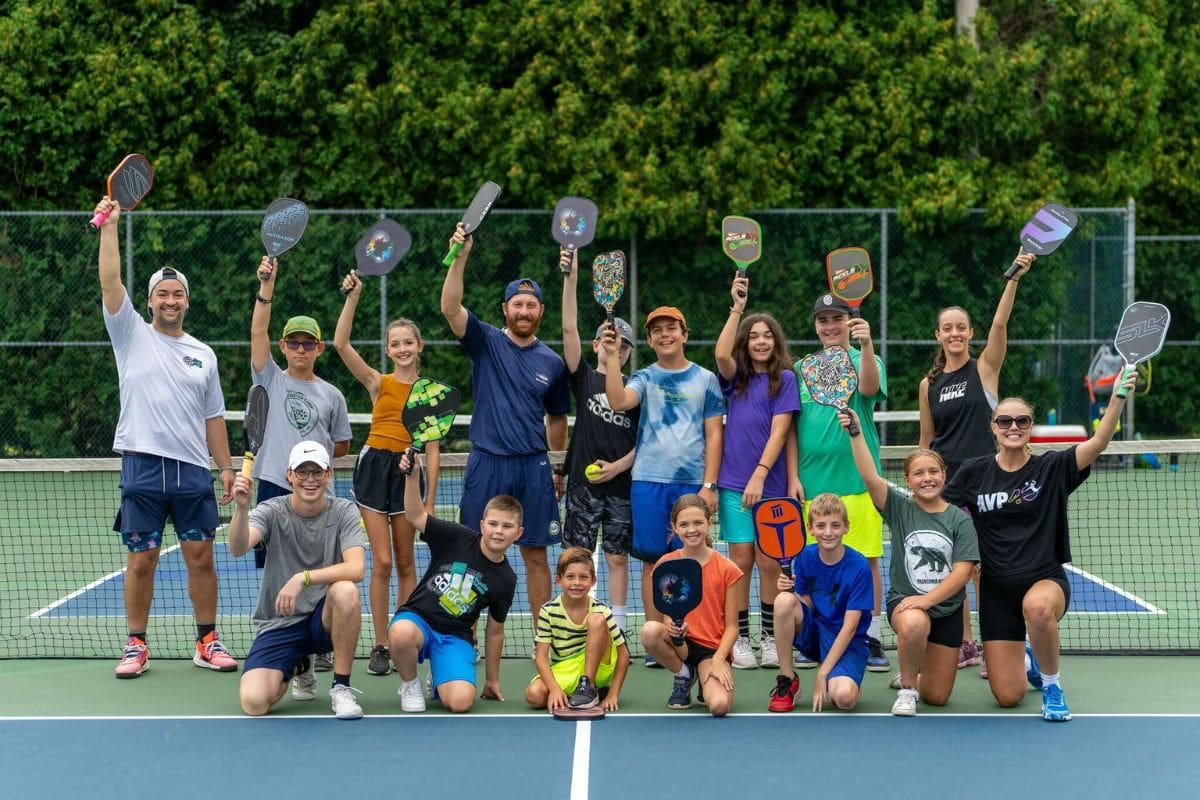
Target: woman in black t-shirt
{"points": [[1018, 502]]}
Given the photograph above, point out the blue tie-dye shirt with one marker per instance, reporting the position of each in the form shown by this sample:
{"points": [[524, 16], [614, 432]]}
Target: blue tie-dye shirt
{"points": [[675, 404]]}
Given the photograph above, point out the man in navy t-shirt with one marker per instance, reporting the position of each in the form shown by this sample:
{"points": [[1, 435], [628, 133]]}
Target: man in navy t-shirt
{"points": [[519, 387]]}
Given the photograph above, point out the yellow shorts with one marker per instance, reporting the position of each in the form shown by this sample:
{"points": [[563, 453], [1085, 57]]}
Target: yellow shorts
{"points": [[568, 671], [866, 526]]}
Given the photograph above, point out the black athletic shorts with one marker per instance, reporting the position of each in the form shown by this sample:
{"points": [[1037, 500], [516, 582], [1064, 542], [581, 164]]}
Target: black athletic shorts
{"points": [[946, 631], [1000, 601], [379, 483]]}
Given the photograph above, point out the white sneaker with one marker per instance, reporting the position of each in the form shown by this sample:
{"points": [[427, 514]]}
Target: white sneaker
{"points": [[344, 704], [304, 681], [803, 662], [906, 703], [743, 654], [894, 681], [770, 656], [412, 699]]}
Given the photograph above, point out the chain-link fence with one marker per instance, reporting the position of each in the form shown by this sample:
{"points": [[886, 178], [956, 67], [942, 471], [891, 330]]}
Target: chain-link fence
{"points": [[63, 399]]}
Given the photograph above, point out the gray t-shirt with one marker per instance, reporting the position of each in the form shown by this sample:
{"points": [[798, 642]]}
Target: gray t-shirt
{"points": [[300, 410], [296, 543], [924, 549]]}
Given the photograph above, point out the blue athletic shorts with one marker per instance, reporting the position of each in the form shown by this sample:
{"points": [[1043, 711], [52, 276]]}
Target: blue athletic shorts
{"points": [[651, 504], [281, 648], [526, 478], [154, 488], [450, 658], [814, 644], [737, 524]]}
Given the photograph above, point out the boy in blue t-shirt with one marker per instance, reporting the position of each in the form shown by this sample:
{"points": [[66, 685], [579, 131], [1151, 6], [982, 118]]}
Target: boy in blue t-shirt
{"points": [[824, 611], [679, 434]]}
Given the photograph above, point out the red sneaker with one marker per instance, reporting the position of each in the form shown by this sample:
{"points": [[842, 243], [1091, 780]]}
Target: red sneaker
{"points": [[211, 654], [783, 696]]}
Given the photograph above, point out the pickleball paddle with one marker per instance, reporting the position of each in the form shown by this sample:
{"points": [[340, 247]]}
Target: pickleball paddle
{"points": [[574, 223], [741, 239], [1046, 230], [779, 529], [678, 589], [473, 217], [831, 379], [850, 276], [1140, 336], [128, 184]]}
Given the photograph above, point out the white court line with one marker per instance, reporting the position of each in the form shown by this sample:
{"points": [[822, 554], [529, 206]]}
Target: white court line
{"points": [[1150, 607], [467, 718], [41, 612], [582, 759]]}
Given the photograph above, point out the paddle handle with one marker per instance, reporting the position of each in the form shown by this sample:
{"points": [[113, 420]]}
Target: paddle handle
{"points": [[1012, 270], [608, 314], [412, 459], [1119, 390], [677, 640], [741, 274], [98, 220], [852, 428], [786, 566], [450, 256], [247, 464]]}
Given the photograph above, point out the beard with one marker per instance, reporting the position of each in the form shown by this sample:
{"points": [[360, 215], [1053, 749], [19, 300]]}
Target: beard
{"points": [[523, 324]]}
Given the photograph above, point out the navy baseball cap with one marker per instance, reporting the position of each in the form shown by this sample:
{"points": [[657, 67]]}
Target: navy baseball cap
{"points": [[522, 286], [828, 302]]}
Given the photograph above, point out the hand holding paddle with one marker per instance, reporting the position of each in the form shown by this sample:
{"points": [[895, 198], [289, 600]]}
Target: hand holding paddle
{"points": [[473, 217], [831, 379], [379, 250], [574, 224], [741, 239], [779, 530], [677, 591], [1140, 337], [1045, 231], [128, 185]]}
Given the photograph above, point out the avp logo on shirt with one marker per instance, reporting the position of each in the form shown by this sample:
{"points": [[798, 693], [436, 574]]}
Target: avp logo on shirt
{"points": [[953, 391], [994, 501], [598, 405], [193, 362]]}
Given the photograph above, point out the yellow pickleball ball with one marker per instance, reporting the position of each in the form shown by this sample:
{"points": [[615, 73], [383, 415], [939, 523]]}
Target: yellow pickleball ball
{"points": [[592, 472]]}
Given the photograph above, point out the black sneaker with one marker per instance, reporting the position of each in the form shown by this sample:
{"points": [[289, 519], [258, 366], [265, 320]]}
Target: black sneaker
{"points": [[381, 661], [681, 692], [585, 695], [876, 660], [323, 662]]}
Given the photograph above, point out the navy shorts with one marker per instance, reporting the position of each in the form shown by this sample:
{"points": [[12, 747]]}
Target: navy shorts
{"points": [[1001, 600], [588, 513], [526, 478], [946, 631], [281, 648], [651, 507], [154, 488], [379, 483]]}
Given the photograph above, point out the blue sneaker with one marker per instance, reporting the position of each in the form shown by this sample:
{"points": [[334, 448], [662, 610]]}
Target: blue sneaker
{"points": [[876, 660], [681, 691], [1032, 673], [1054, 704]]}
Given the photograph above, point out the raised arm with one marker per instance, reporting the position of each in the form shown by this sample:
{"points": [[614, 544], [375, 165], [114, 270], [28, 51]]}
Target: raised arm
{"points": [[876, 486], [260, 319], [452, 287], [1087, 452], [620, 396], [726, 365], [367, 375], [868, 370], [572, 347], [111, 289], [992, 357]]}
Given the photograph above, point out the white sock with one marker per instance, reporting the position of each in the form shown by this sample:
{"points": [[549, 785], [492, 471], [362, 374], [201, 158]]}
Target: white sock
{"points": [[873, 630], [1050, 680], [684, 672], [618, 613]]}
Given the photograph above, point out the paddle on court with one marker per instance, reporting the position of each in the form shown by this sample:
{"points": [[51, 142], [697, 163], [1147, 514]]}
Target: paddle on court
{"points": [[850, 276], [831, 379], [1045, 231], [568, 713], [283, 225], [779, 529], [473, 217], [381, 248], [428, 414], [574, 224], [1140, 336], [128, 184], [678, 589], [254, 425], [741, 239], [608, 280]]}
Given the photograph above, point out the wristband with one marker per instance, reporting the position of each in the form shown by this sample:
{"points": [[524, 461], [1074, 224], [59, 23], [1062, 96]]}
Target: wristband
{"points": [[764, 466], [307, 578], [261, 299], [733, 310], [222, 469], [560, 470]]}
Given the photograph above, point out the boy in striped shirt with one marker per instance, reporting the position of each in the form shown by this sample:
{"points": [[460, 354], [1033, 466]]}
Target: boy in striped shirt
{"points": [[578, 648]]}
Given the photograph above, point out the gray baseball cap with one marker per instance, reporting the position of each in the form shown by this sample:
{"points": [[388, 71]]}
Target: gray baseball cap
{"points": [[623, 330]]}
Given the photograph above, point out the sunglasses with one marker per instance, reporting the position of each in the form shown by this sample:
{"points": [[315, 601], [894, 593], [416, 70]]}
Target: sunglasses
{"points": [[1004, 422], [295, 344]]}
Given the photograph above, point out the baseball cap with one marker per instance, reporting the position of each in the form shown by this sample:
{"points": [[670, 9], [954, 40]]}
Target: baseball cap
{"points": [[167, 274], [309, 452], [522, 286], [624, 330], [670, 312], [302, 325], [828, 302]]}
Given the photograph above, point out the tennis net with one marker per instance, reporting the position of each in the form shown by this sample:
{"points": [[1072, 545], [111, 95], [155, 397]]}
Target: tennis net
{"points": [[1135, 579]]}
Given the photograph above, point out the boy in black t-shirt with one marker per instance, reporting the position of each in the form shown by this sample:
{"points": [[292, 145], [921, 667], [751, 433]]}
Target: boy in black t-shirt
{"points": [[467, 573]]}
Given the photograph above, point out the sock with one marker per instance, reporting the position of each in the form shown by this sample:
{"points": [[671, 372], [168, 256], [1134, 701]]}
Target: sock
{"points": [[140, 635], [618, 613], [684, 672], [873, 631], [204, 630], [744, 623], [341, 680], [1050, 680], [768, 619]]}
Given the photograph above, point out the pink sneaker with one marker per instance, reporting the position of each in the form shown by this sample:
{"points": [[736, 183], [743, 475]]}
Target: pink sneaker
{"points": [[211, 654], [135, 660]]}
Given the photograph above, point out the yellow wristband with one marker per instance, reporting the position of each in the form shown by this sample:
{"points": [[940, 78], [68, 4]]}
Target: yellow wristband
{"points": [[307, 578]]}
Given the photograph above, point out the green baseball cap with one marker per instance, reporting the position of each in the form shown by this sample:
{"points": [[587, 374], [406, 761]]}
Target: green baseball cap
{"points": [[302, 325]]}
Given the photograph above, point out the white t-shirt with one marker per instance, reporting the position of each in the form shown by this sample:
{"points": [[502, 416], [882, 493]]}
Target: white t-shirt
{"points": [[169, 387], [299, 410]]}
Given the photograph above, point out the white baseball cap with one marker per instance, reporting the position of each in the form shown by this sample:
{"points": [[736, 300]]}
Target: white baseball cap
{"points": [[309, 452], [168, 274]]}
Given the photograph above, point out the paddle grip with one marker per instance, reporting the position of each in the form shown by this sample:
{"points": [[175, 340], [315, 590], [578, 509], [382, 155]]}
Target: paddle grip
{"points": [[786, 566], [1012, 270], [1119, 391], [741, 274], [852, 428], [247, 464], [454, 248], [98, 220], [677, 640], [412, 459]]}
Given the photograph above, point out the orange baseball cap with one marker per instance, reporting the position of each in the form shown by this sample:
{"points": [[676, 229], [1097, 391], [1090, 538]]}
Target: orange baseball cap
{"points": [[669, 312]]}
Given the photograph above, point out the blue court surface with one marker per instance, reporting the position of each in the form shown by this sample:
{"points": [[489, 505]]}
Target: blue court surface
{"points": [[624, 756]]}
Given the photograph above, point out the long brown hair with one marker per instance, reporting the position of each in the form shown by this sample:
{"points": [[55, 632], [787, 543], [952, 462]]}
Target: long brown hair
{"points": [[779, 361], [939, 356], [404, 322]]}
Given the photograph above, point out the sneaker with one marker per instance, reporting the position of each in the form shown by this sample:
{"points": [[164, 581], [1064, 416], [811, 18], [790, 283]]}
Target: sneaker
{"points": [[876, 660], [323, 662], [651, 663], [478, 655], [429, 685], [743, 654], [969, 654], [211, 654], [770, 656], [304, 680], [585, 695], [381, 660], [1054, 704], [1032, 673], [412, 699], [802, 661], [783, 696], [894, 681], [906, 703], [134, 660], [344, 704], [982, 666], [681, 692]]}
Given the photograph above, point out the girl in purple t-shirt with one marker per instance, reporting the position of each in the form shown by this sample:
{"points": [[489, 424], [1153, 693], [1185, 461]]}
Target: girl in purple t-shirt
{"points": [[754, 370]]}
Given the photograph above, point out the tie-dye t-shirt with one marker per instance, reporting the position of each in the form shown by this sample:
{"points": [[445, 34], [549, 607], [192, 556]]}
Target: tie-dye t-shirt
{"points": [[675, 404]]}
